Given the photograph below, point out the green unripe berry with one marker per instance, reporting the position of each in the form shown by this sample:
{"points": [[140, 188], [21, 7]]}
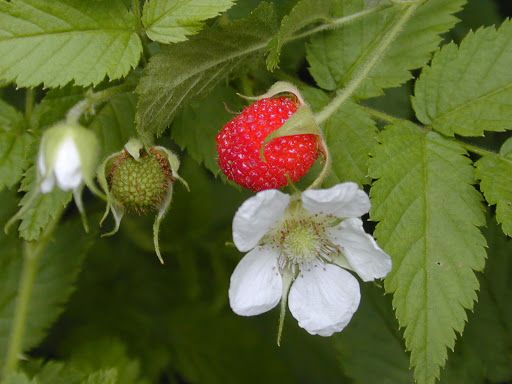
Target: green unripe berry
{"points": [[140, 185]]}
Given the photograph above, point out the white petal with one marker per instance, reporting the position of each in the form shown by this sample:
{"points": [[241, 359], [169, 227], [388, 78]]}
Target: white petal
{"points": [[342, 200], [256, 216], [360, 249], [41, 166], [323, 299], [47, 183], [256, 283], [67, 165]]}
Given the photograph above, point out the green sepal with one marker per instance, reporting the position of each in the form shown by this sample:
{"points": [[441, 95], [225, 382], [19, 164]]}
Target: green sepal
{"points": [[174, 163], [133, 147], [276, 89], [158, 219], [302, 122], [77, 196], [288, 278], [112, 206]]}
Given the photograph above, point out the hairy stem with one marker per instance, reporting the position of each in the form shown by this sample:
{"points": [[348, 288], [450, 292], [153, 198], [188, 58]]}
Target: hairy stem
{"points": [[29, 105], [382, 116], [32, 252], [336, 23], [93, 98], [363, 71], [326, 168]]}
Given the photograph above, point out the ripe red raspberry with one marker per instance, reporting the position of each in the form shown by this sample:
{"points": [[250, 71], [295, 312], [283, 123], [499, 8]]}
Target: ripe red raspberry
{"points": [[240, 140]]}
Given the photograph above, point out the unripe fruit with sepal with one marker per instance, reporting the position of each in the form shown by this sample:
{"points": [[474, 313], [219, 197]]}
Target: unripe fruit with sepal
{"points": [[140, 186]]}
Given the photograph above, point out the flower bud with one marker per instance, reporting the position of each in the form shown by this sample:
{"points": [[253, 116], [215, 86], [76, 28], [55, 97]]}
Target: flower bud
{"points": [[67, 157]]}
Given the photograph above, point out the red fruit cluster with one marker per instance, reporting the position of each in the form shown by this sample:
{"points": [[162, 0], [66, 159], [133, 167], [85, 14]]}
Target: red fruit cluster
{"points": [[240, 140]]}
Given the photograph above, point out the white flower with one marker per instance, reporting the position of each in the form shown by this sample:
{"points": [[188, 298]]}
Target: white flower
{"points": [[299, 248]]}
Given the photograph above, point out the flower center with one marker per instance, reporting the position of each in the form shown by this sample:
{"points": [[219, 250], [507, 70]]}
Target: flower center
{"points": [[302, 239], [301, 242]]}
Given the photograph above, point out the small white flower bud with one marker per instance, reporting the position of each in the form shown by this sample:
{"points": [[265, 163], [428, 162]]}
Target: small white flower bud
{"points": [[67, 157]]}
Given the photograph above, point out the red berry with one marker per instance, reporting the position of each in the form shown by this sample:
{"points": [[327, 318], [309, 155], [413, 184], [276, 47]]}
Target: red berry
{"points": [[240, 140]]}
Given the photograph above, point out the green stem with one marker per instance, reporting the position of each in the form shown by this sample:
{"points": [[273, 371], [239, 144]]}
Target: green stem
{"points": [[29, 104], [32, 253], [91, 99], [336, 23], [326, 168], [382, 116], [363, 71], [140, 31], [379, 115]]}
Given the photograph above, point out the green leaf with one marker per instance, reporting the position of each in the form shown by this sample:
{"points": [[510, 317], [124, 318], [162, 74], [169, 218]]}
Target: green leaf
{"points": [[171, 21], [304, 13], [372, 340], [18, 378], [495, 173], [335, 56], [429, 214], [195, 128], [484, 352], [67, 373], [181, 72], [15, 145], [350, 135], [114, 124], [56, 273], [42, 210], [107, 354], [467, 89], [57, 41]]}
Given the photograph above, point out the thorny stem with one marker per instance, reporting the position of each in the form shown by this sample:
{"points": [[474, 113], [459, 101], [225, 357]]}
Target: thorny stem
{"points": [[369, 65], [32, 252], [93, 98]]}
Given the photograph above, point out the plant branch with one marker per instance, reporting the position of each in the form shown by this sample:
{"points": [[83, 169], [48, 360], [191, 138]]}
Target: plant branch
{"points": [[363, 71], [32, 252], [93, 98], [382, 116], [336, 23], [29, 105]]}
